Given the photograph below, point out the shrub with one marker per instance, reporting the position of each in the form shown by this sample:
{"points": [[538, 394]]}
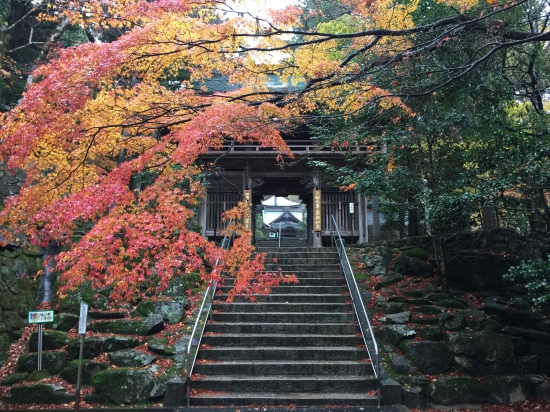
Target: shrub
{"points": [[534, 278]]}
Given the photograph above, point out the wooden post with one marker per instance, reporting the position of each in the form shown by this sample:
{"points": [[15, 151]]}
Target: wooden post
{"points": [[375, 218], [201, 218], [362, 219]]}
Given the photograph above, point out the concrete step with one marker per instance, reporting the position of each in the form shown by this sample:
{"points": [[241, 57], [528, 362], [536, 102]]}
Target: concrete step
{"points": [[312, 279], [312, 249], [298, 288], [332, 267], [294, 298], [296, 253], [285, 383], [282, 398], [277, 367], [282, 353], [297, 346], [280, 307], [271, 317], [300, 274], [277, 339], [309, 260], [275, 328]]}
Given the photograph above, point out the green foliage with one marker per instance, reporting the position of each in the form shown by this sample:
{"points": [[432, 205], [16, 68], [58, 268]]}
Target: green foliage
{"points": [[534, 278]]}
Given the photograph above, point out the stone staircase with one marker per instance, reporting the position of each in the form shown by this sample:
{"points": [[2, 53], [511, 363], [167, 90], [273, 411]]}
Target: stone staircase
{"points": [[273, 242], [296, 346]]}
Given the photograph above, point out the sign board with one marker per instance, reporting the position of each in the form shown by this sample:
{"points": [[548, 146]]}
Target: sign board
{"points": [[352, 208], [247, 194], [40, 316], [317, 223], [82, 319]]}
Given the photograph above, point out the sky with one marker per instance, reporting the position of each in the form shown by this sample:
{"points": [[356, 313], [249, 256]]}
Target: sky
{"points": [[256, 7]]}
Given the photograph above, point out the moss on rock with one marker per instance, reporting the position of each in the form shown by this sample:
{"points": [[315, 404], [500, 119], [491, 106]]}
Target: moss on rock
{"points": [[51, 339], [453, 390], [89, 369], [53, 362], [39, 375], [124, 385], [15, 378], [40, 393]]}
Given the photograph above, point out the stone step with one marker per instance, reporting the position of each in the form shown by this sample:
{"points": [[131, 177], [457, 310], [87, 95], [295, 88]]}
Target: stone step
{"points": [[316, 279], [273, 250], [285, 383], [282, 353], [296, 346], [299, 288], [304, 277], [301, 317], [280, 307], [332, 268], [292, 253], [310, 260], [283, 398], [275, 328], [276, 367], [277, 339], [294, 298]]}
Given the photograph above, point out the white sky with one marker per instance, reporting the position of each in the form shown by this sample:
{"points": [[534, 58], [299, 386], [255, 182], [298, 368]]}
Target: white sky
{"points": [[257, 7]]}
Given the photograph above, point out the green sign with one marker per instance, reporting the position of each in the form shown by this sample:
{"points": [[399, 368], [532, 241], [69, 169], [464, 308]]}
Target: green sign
{"points": [[40, 316]]}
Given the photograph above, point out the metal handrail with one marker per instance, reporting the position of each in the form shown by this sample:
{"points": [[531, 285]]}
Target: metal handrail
{"points": [[206, 305], [358, 305]]}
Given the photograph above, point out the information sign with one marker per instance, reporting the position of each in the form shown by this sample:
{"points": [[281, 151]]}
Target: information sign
{"points": [[40, 316], [82, 319]]}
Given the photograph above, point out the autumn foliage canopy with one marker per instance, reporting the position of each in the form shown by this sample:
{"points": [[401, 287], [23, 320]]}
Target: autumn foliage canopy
{"points": [[100, 119]]}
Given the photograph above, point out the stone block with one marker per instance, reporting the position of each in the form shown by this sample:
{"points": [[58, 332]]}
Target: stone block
{"points": [[398, 318], [114, 343], [528, 364], [124, 385], [175, 394], [412, 266], [390, 392], [64, 322], [92, 347], [142, 327], [428, 356], [89, 369], [51, 339], [504, 390], [53, 362], [451, 321], [394, 334], [393, 307], [131, 358], [432, 332], [401, 365], [454, 390], [40, 393], [413, 396]]}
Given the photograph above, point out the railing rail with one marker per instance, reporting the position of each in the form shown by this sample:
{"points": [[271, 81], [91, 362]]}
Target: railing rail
{"points": [[358, 305], [200, 323]]}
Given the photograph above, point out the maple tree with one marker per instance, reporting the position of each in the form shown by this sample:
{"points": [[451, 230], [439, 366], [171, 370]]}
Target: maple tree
{"points": [[100, 117]]}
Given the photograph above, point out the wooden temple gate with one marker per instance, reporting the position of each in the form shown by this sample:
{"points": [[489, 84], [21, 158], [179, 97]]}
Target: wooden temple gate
{"points": [[253, 172]]}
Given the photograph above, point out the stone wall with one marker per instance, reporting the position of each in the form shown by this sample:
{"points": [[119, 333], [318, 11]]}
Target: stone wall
{"points": [[17, 293], [476, 260], [10, 183], [469, 347]]}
